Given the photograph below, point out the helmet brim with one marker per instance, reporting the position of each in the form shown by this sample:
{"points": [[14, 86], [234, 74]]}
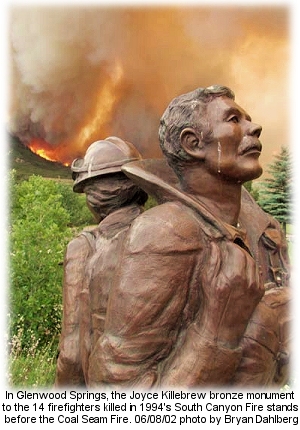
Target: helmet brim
{"points": [[79, 183]]}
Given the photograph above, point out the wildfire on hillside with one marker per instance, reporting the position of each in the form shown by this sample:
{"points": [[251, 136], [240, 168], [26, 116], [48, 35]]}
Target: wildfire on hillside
{"points": [[88, 130], [43, 149]]}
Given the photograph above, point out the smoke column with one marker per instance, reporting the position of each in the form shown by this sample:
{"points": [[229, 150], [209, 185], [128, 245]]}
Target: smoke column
{"points": [[80, 74]]}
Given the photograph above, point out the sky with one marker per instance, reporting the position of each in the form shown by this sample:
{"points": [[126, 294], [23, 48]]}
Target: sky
{"points": [[82, 73]]}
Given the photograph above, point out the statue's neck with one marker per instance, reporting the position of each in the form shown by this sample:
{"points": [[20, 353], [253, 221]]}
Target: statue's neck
{"points": [[222, 198]]}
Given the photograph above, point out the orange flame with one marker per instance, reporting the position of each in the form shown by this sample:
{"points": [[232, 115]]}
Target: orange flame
{"points": [[45, 150], [92, 127], [102, 112]]}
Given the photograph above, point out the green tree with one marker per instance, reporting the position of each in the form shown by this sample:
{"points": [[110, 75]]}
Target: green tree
{"points": [[275, 192], [75, 204], [252, 190], [38, 236]]}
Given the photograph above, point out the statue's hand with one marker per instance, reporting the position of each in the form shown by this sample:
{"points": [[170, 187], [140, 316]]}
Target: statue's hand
{"points": [[231, 290]]}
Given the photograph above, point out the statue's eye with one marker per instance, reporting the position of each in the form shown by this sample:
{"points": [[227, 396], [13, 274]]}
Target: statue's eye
{"points": [[234, 118]]}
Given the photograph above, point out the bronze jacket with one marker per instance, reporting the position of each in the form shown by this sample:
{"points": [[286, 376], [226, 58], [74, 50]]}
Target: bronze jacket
{"points": [[171, 256], [86, 284]]}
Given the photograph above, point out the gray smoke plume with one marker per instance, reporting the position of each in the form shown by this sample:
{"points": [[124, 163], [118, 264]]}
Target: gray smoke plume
{"points": [[79, 74]]}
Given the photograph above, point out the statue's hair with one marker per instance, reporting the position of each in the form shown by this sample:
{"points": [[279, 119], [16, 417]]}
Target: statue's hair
{"points": [[187, 110]]}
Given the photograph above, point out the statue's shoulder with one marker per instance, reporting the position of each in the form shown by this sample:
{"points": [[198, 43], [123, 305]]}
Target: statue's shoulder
{"points": [[82, 244], [168, 227]]}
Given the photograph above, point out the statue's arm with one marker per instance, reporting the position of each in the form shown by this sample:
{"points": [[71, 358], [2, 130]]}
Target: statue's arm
{"points": [[68, 370], [267, 341], [210, 351]]}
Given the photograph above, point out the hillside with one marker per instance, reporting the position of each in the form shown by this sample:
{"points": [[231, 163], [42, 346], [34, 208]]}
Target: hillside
{"points": [[26, 163]]}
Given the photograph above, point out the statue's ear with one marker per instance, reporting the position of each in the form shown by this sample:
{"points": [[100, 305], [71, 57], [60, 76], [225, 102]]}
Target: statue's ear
{"points": [[192, 143]]}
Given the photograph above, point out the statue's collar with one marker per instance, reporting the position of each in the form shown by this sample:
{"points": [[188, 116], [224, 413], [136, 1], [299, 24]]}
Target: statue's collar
{"points": [[156, 178]]}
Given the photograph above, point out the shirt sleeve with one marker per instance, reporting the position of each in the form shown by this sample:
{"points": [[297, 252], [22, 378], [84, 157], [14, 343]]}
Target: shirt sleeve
{"points": [[68, 370], [267, 341]]}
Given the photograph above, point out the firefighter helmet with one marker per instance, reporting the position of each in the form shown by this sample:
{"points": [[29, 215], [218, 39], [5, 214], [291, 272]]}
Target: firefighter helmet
{"points": [[101, 158]]}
